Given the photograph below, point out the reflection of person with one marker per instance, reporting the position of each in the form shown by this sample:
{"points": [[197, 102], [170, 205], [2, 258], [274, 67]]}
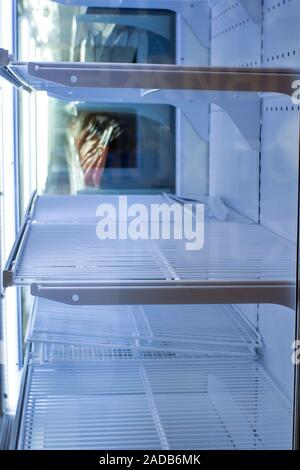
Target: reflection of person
{"points": [[93, 135], [120, 43]]}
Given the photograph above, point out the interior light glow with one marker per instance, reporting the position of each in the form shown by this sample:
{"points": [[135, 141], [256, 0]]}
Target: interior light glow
{"points": [[42, 139], [9, 209], [13, 373]]}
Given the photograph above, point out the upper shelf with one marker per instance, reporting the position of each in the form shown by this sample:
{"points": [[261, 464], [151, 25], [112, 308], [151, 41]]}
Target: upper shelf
{"points": [[66, 77], [60, 256]]}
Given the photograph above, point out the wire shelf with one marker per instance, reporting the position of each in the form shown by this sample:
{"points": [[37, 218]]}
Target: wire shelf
{"points": [[61, 246], [231, 251], [199, 329], [199, 404]]}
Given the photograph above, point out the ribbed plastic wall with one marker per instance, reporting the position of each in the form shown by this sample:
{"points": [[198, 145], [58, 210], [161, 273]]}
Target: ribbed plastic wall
{"points": [[267, 178]]}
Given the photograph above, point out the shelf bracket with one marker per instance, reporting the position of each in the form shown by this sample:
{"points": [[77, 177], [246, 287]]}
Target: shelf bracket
{"points": [[6, 73], [243, 110], [253, 8]]}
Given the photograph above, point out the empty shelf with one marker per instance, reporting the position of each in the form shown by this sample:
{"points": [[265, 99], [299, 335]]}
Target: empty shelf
{"points": [[59, 255], [200, 404], [199, 329]]}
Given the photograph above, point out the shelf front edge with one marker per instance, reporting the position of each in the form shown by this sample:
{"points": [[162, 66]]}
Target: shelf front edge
{"points": [[166, 293]]}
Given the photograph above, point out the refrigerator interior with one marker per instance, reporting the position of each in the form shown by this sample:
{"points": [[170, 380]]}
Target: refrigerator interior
{"points": [[130, 373]]}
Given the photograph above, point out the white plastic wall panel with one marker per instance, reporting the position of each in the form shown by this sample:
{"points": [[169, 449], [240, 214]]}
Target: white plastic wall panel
{"points": [[240, 44], [192, 179], [279, 166], [235, 38], [189, 50], [277, 327], [279, 173], [233, 165], [280, 144], [281, 33]]}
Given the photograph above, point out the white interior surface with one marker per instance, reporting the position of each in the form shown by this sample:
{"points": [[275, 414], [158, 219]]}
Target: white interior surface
{"points": [[233, 165], [276, 325], [192, 179], [270, 189], [204, 404]]}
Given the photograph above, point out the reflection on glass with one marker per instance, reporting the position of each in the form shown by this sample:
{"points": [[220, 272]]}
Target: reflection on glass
{"points": [[93, 147], [81, 34], [110, 148]]}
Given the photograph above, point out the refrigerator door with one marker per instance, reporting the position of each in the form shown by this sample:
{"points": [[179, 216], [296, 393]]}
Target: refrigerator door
{"points": [[160, 248], [178, 314]]}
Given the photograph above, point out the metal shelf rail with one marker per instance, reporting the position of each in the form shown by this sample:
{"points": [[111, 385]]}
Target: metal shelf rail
{"points": [[195, 87], [203, 329], [166, 404], [74, 76], [62, 259]]}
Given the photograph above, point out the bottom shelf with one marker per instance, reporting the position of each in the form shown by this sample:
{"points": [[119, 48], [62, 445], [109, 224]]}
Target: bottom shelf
{"points": [[204, 403]]}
